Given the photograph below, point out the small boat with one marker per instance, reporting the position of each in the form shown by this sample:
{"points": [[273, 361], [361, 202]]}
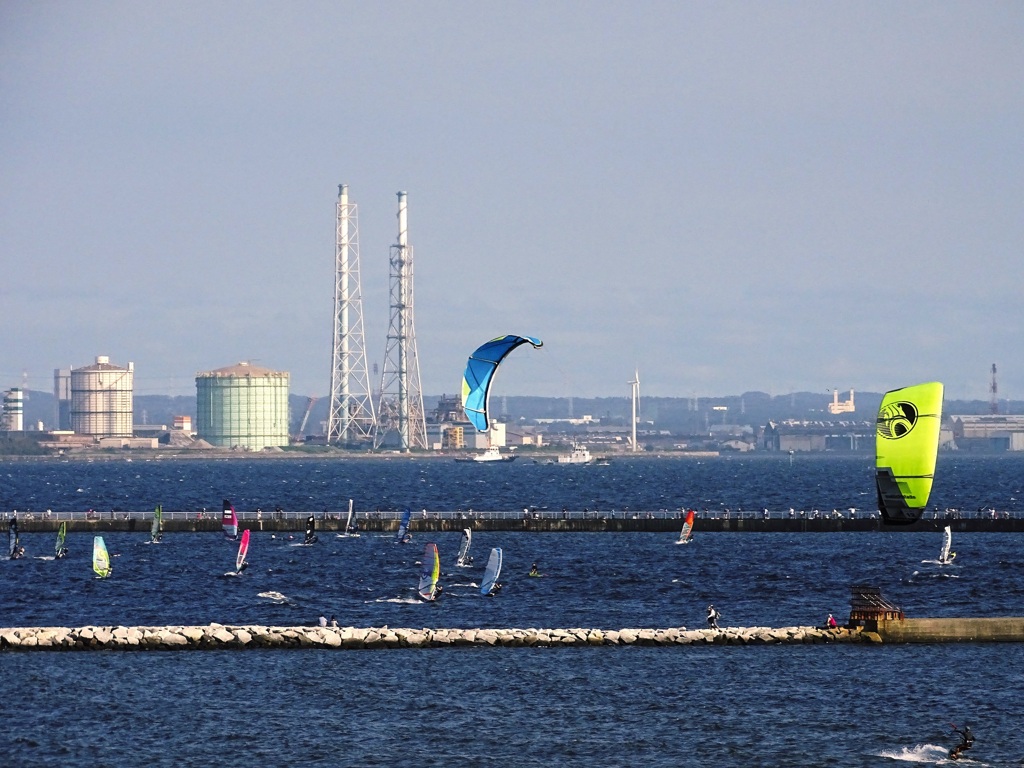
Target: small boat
{"points": [[59, 550], [686, 534], [945, 556], [243, 550], [350, 531], [311, 537], [490, 585], [464, 560], [403, 536], [431, 570], [100, 558], [229, 520], [906, 445], [492, 454], [156, 531], [580, 454]]}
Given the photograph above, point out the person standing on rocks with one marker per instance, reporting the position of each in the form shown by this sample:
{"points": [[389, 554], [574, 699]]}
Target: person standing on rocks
{"points": [[713, 617]]}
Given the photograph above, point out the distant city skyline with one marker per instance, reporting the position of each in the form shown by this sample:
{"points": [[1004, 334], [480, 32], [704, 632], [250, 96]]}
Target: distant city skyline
{"points": [[728, 198]]}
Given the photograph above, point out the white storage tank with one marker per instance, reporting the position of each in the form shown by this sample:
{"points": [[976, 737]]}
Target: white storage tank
{"points": [[242, 406], [101, 399]]}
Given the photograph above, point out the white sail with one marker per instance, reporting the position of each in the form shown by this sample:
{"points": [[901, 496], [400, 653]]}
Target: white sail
{"points": [[348, 533], [945, 556], [463, 560]]}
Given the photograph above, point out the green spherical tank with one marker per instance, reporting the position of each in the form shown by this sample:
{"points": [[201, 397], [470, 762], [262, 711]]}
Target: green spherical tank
{"points": [[242, 406]]}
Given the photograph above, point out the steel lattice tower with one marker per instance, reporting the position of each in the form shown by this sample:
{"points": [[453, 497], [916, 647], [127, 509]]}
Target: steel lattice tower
{"points": [[351, 418], [400, 408]]}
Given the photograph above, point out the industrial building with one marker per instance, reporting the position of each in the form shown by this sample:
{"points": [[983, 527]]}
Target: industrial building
{"points": [[12, 418], [242, 406], [99, 398], [991, 432]]}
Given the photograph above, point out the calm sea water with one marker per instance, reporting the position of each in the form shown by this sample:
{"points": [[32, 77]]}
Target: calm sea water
{"points": [[582, 706]]}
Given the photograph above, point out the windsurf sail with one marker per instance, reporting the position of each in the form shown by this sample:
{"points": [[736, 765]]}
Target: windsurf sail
{"points": [[229, 520], [480, 370], [467, 539], [156, 530], [431, 570], [12, 537], [403, 526], [906, 445], [310, 530], [59, 550], [945, 556], [243, 550], [491, 572], [687, 532], [348, 521], [100, 558]]}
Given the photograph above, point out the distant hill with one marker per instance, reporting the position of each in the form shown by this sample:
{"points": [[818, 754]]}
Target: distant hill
{"points": [[679, 415]]}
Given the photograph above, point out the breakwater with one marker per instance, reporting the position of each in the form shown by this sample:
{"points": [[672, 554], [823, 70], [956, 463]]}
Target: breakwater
{"points": [[219, 636]]}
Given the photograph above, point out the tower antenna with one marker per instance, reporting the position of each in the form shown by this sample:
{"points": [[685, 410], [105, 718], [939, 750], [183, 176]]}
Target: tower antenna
{"points": [[350, 418], [400, 409], [993, 389]]}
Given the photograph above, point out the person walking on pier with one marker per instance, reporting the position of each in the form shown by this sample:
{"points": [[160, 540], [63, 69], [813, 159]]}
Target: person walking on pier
{"points": [[713, 617]]}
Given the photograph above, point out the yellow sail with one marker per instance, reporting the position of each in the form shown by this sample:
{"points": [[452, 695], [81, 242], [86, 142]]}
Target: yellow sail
{"points": [[906, 445], [100, 559]]}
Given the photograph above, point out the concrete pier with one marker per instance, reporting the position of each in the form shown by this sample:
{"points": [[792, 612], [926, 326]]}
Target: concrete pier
{"points": [[1009, 629], [219, 637]]}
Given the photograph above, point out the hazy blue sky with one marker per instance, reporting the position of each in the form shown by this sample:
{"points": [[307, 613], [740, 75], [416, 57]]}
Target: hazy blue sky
{"points": [[730, 196]]}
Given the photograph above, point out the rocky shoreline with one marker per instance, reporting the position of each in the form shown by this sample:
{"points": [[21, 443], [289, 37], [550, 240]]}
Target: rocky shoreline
{"points": [[220, 637]]}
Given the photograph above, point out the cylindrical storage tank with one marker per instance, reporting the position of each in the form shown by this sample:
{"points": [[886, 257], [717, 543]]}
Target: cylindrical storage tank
{"points": [[101, 399], [242, 406]]}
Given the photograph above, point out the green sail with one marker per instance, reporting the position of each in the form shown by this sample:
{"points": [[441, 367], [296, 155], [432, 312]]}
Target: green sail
{"points": [[906, 444]]}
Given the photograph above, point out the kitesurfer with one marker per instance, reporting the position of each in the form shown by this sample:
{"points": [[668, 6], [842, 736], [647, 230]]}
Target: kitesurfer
{"points": [[713, 617], [534, 571], [966, 742]]}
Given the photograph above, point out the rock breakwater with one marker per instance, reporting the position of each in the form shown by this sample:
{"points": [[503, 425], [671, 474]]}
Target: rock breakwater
{"points": [[219, 637]]}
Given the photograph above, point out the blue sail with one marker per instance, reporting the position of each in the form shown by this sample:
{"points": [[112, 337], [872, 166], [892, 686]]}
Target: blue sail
{"points": [[403, 527], [480, 369]]}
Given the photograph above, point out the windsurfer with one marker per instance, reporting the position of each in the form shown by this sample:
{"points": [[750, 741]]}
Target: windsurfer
{"points": [[62, 552], [713, 617], [437, 591], [966, 742]]}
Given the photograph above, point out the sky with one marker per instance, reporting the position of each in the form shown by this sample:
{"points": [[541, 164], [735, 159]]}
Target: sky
{"points": [[726, 197]]}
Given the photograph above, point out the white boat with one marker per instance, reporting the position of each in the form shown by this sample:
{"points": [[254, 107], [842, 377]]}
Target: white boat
{"points": [[580, 454], [491, 454], [945, 556]]}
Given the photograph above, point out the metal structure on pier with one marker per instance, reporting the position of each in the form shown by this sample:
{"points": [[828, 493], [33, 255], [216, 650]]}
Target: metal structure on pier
{"points": [[351, 417], [401, 420]]}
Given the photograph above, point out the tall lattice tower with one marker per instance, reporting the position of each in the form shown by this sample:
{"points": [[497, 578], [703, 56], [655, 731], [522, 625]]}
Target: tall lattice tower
{"points": [[401, 421], [351, 419]]}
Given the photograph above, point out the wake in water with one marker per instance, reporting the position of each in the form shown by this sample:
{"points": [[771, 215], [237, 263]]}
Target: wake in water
{"points": [[407, 600], [932, 754], [276, 597], [916, 575]]}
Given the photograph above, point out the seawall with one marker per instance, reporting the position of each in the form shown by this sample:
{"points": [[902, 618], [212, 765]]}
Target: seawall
{"points": [[181, 522], [1008, 629], [219, 637]]}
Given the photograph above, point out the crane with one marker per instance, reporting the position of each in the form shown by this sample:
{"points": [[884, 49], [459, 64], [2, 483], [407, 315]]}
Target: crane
{"points": [[305, 418]]}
